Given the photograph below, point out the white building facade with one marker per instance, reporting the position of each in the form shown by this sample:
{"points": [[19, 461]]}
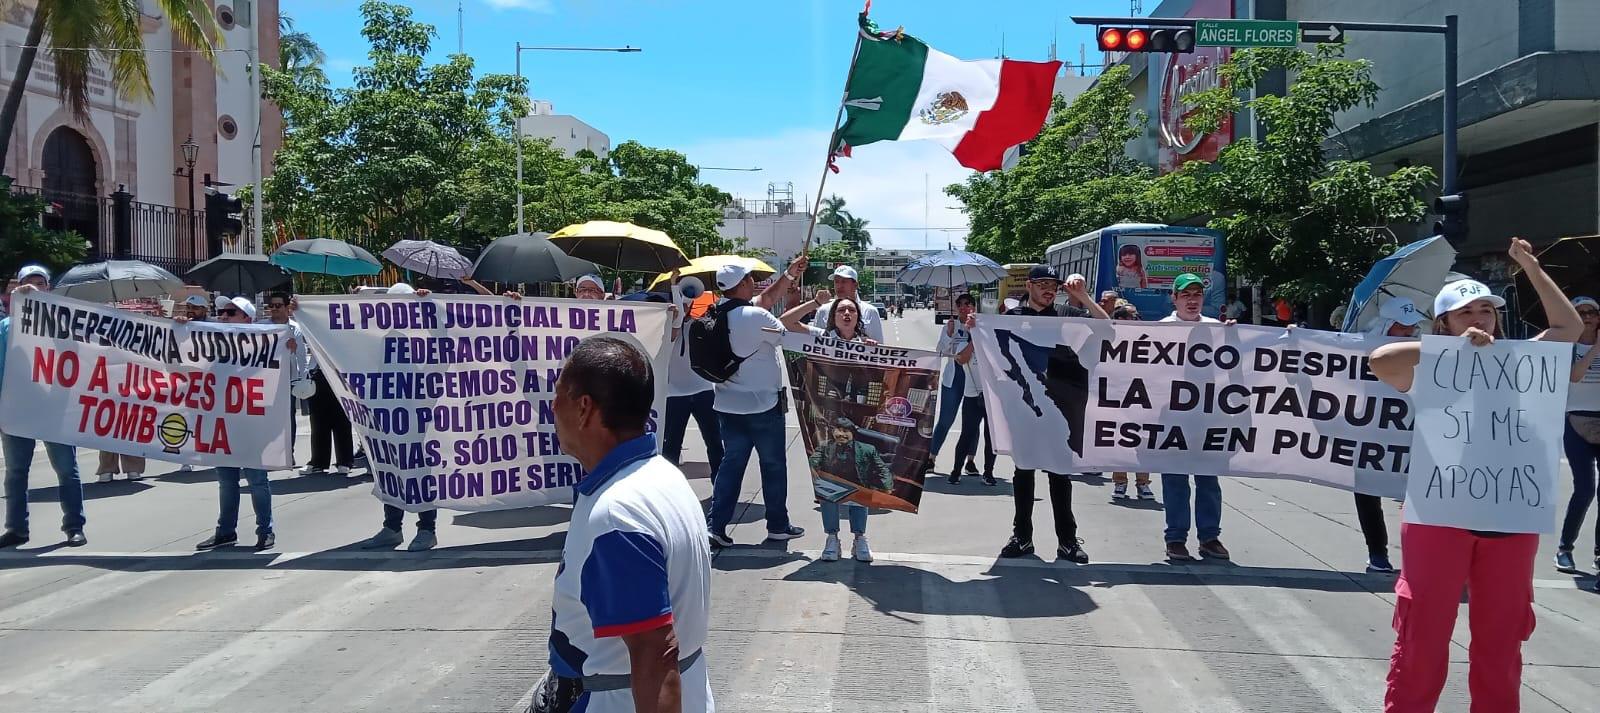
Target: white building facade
{"points": [[136, 144], [566, 133]]}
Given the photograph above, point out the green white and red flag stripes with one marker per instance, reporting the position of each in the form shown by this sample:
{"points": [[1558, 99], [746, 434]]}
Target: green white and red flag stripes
{"points": [[901, 89]]}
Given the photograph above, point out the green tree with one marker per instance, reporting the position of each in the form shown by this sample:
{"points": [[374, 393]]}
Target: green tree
{"points": [[1312, 227], [83, 32], [26, 241], [1074, 177], [824, 257], [299, 56]]}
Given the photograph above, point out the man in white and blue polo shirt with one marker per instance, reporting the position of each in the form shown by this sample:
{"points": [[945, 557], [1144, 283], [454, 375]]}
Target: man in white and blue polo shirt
{"points": [[633, 593]]}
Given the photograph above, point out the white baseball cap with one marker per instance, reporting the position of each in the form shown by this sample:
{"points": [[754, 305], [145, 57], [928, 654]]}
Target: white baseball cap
{"points": [[195, 300], [845, 271], [33, 271], [591, 277], [1585, 302], [1461, 293], [1400, 310], [729, 276], [245, 306], [401, 288], [222, 303]]}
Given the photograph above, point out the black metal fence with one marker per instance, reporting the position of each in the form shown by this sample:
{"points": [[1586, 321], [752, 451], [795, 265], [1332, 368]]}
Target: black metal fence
{"points": [[118, 227]]}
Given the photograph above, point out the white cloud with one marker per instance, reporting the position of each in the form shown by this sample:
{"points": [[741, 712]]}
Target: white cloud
{"points": [[529, 5], [882, 183]]}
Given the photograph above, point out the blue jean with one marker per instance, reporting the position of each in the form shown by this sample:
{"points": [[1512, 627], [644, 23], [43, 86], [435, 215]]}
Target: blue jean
{"points": [[742, 433], [949, 406], [1207, 506], [830, 517], [1582, 458], [19, 459], [260, 499], [679, 409]]}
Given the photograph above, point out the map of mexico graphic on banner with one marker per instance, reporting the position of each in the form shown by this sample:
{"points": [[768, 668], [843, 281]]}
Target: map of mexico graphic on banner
{"points": [[452, 394], [1074, 395], [98, 377]]}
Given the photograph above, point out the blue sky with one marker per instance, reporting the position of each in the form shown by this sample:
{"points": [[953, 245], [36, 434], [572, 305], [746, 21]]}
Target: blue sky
{"points": [[734, 84]]}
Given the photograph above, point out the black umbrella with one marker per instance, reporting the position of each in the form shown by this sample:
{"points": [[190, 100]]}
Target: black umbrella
{"points": [[238, 274], [525, 258], [1573, 263]]}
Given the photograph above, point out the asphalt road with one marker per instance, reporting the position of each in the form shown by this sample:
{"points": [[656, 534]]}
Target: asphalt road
{"points": [[137, 621]]}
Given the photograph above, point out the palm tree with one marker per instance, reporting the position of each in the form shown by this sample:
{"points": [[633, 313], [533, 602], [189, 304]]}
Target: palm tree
{"points": [[299, 56], [83, 32], [832, 211], [854, 231]]}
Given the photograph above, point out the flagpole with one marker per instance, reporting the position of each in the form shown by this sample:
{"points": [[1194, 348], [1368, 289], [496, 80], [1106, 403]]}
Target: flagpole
{"points": [[816, 203]]}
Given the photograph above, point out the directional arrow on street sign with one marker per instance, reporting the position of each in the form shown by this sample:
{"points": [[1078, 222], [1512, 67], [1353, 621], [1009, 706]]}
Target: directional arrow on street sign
{"points": [[1320, 32]]}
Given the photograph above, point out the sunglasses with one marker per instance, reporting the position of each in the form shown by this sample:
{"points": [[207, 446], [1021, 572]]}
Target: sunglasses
{"points": [[228, 312], [277, 305], [1586, 312]]}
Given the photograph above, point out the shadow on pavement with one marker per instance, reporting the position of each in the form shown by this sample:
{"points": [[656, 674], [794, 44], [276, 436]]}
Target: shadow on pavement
{"points": [[348, 558], [969, 485], [536, 516], [91, 491], [1014, 593], [1135, 504]]}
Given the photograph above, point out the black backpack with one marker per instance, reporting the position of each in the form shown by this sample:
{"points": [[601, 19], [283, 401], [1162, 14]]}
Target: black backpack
{"points": [[710, 346]]}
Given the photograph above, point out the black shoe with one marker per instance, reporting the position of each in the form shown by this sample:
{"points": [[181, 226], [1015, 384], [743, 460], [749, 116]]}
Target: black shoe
{"points": [[721, 539], [12, 538], [266, 542], [215, 541], [972, 468], [955, 478], [988, 479], [1073, 553], [927, 467], [75, 538], [1016, 548], [791, 533], [1564, 561]]}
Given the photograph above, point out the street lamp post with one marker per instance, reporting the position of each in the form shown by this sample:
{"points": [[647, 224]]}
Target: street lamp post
{"points": [[191, 153], [523, 48]]}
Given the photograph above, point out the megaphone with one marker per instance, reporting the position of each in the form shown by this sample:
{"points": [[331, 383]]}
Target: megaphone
{"points": [[691, 287]]}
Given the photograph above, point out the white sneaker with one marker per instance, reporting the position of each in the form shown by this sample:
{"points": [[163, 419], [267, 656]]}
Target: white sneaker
{"points": [[185, 468], [341, 470], [859, 549], [104, 478], [830, 549], [135, 476], [312, 470]]}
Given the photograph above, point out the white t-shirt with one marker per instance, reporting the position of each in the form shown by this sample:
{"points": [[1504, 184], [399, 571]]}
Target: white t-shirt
{"points": [[1584, 395], [681, 379], [871, 323], [635, 559], [950, 345], [755, 335], [1203, 319]]}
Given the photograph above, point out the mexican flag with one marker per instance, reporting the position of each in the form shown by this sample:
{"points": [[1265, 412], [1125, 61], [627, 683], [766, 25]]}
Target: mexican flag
{"points": [[901, 89]]}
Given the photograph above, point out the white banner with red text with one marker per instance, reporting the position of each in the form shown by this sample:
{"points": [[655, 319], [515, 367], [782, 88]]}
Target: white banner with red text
{"points": [[94, 376], [1075, 395], [452, 394]]}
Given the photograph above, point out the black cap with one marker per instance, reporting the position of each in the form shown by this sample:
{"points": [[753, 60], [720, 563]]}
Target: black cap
{"points": [[1043, 272]]}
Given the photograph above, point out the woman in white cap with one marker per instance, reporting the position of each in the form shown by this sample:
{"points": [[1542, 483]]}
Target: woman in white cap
{"points": [[1496, 568], [1398, 318], [589, 287], [240, 311], [1581, 441]]}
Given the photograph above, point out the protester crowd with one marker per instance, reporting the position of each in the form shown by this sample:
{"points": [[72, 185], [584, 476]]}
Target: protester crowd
{"points": [[636, 519]]}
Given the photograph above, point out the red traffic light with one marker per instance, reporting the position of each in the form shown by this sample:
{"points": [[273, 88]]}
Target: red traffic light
{"points": [[1111, 39], [1136, 40]]}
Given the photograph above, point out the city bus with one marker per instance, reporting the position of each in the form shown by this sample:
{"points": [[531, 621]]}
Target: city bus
{"points": [[1140, 260], [1013, 286]]}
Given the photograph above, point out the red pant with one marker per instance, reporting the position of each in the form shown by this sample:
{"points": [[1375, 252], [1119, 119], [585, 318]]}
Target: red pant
{"points": [[1498, 575]]}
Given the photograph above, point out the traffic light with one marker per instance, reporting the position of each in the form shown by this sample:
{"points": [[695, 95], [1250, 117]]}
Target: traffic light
{"points": [[1146, 39], [223, 217], [1452, 222]]}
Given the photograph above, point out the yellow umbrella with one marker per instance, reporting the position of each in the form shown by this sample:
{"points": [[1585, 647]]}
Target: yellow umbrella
{"points": [[705, 268], [620, 246]]}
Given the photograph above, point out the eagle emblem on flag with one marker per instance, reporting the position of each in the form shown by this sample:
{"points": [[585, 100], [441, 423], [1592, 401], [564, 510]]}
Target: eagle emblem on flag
{"points": [[945, 108]]}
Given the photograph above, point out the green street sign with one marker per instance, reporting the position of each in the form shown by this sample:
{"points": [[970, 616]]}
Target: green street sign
{"points": [[1246, 33]]}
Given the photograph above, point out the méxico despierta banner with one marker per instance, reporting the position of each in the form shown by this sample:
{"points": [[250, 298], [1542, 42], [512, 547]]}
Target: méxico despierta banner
{"points": [[98, 377], [1074, 395], [866, 417], [452, 394]]}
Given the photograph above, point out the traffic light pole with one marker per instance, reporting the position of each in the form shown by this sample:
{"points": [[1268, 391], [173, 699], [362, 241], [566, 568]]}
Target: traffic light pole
{"points": [[1448, 167]]}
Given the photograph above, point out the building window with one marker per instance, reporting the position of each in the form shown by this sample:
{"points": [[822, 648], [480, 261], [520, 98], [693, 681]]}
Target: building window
{"points": [[225, 17], [227, 127]]}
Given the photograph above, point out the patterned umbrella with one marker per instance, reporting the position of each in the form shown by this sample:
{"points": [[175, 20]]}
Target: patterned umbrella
{"points": [[115, 280], [429, 258], [327, 257], [948, 268]]}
